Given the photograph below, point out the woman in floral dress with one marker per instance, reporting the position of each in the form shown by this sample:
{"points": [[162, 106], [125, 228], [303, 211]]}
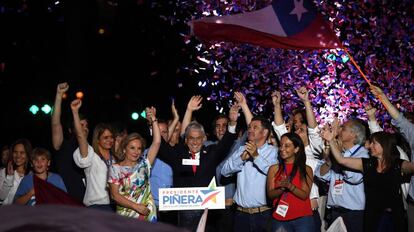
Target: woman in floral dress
{"points": [[129, 178]]}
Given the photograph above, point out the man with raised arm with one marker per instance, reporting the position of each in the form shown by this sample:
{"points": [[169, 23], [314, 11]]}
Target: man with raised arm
{"points": [[346, 197], [72, 175]]}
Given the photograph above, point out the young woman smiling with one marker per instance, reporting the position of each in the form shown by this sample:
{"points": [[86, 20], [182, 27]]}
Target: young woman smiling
{"points": [[288, 185]]}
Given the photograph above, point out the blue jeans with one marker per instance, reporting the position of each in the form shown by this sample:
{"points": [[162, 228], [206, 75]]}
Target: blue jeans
{"points": [[302, 224], [251, 222]]}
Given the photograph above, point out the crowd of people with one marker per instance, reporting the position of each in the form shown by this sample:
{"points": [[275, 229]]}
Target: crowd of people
{"points": [[289, 174], [292, 175]]}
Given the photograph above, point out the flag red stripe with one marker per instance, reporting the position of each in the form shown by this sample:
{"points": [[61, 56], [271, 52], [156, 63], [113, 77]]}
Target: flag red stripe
{"points": [[47, 193], [308, 39]]}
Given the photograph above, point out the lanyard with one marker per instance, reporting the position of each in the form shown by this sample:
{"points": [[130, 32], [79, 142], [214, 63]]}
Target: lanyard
{"points": [[356, 150]]}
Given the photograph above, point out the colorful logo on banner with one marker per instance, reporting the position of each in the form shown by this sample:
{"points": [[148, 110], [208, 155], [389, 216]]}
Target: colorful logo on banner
{"points": [[211, 197]]}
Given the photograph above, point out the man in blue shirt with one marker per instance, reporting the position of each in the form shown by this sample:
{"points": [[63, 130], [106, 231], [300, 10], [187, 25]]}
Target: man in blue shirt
{"points": [[251, 163], [346, 197], [162, 177]]}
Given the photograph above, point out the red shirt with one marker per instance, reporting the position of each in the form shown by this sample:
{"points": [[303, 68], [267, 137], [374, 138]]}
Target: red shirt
{"points": [[297, 207]]}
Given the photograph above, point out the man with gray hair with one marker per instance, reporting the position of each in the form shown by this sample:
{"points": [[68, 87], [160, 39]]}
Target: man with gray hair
{"points": [[346, 197], [193, 164]]}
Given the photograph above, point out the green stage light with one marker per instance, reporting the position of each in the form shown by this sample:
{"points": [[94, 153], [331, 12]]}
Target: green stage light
{"points": [[46, 109], [134, 115], [143, 114], [34, 109]]}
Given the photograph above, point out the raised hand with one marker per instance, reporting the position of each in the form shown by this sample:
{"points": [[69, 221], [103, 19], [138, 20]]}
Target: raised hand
{"points": [[276, 98], [391, 109], [376, 91], [62, 88], [370, 111], [326, 133], [174, 110], [234, 113], [335, 127], [195, 103], [76, 104], [303, 94], [240, 98], [10, 170], [151, 113]]}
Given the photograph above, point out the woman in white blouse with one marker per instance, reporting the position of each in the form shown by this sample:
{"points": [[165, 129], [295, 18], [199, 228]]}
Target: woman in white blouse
{"points": [[16, 169], [94, 159]]}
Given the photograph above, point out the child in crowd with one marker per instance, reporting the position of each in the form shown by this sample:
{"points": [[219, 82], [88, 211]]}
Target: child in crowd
{"points": [[40, 159]]}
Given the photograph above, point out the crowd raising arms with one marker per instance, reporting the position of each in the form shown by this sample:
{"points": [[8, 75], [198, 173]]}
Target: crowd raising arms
{"points": [[291, 177], [57, 130], [72, 175]]}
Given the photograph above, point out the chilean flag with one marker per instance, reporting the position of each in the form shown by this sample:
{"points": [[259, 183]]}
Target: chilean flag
{"points": [[46, 193], [289, 24]]}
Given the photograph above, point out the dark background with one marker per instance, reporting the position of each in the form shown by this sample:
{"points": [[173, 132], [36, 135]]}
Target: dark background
{"points": [[135, 63]]}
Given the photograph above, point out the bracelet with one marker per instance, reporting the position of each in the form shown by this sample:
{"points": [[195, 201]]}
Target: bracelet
{"points": [[155, 120]]}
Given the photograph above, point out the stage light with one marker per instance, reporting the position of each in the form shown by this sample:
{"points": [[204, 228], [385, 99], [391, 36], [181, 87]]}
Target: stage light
{"points": [[79, 95], [46, 109], [143, 114], [134, 115], [34, 109]]}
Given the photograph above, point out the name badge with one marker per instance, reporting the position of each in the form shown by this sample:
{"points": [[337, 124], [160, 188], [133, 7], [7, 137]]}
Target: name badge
{"points": [[282, 208], [338, 187], [191, 162]]}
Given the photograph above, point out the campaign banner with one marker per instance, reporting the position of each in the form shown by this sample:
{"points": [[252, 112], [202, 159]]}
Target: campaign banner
{"points": [[194, 198]]}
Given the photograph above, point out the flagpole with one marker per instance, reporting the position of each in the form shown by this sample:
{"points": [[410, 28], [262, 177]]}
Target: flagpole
{"points": [[356, 65], [362, 74]]}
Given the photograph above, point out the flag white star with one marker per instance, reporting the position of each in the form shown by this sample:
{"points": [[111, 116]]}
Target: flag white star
{"points": [[299, 9]]}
